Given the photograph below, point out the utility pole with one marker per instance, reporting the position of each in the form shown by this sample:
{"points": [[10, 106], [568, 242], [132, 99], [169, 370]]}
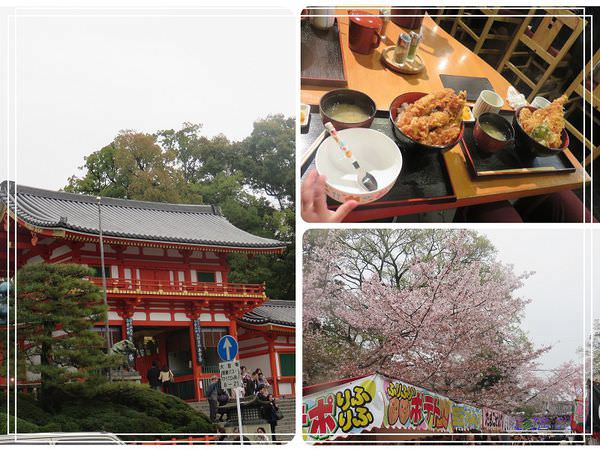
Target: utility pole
{"points": [[102, 269]]}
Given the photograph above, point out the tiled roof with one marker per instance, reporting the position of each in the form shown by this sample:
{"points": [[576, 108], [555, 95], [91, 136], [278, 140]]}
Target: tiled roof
{"points": [[152, 221], [276, 312]]}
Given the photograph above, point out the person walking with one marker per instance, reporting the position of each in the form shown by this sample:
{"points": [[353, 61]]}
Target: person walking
{"points": [[166, 378], [153, 375], [212, 395]]}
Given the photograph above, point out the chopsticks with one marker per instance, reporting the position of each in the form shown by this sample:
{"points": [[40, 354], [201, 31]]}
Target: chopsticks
{"points": [[313, 147]]}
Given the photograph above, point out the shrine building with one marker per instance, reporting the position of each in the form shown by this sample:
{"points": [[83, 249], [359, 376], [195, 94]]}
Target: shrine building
{"points": [[167, 279]]}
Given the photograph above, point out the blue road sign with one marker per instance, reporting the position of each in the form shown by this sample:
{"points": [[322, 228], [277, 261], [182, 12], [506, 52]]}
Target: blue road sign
{"points": [[227, 348]]}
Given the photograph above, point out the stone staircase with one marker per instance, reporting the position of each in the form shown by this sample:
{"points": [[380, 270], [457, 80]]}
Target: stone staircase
{"points": [[287, 407]]}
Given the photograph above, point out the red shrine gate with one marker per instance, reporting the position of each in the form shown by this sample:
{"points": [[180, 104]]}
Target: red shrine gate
{"points": [[165, 266]]}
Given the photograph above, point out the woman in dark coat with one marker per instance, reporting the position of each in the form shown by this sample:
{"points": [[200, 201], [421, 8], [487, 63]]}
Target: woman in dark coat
{"points": [[270, 409]]}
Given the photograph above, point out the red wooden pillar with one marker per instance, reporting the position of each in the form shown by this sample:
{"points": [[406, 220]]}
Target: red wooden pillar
{"points": [[123, 329], [233, 327], [194, 314], [273, 364]]}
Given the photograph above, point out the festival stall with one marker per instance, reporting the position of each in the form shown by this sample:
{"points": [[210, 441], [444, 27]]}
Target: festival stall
{"points": [[378, 403], [466, 418], [493, 421], [537, 423], [578, 415]]}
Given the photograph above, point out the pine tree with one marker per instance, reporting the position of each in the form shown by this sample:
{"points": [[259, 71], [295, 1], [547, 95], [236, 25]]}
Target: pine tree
{"points": [[57, 308]]}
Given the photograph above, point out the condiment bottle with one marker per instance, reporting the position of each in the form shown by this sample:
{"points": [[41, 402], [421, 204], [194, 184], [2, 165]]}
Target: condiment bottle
{"points": [[386, 15], [401, 50], [415, 38]]}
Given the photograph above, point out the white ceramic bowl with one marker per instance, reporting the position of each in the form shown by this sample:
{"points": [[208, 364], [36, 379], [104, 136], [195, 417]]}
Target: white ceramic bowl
{"points": [[376, 153]]}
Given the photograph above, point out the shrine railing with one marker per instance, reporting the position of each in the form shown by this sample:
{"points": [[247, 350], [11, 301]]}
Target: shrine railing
{"points": [[149, 287]]}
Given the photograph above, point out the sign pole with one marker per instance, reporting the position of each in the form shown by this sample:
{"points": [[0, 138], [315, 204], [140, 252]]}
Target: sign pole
{"points": [[239, 412], [227, 348]]}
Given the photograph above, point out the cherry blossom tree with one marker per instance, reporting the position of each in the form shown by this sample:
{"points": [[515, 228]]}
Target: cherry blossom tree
{"points": [[433, 308]]}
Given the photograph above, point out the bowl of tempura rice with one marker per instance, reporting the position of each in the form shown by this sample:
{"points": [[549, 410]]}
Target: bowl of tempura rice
{"points": [[428, 122], [541, 131]]}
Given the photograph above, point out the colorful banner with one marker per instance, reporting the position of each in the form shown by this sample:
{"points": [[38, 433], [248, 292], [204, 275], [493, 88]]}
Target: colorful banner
{"points": [[578, 416], [379, 402], [408, 407], [466, 417], [558, 423], [493, 421], [350, 408]]}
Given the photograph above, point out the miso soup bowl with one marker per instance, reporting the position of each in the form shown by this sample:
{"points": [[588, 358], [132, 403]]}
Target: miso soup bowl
{"points": [[488, 143], [347, 97], [377, 154]]}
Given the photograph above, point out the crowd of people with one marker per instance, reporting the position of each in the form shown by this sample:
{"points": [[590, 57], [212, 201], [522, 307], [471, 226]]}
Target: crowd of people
{"points": [[254, 384]]}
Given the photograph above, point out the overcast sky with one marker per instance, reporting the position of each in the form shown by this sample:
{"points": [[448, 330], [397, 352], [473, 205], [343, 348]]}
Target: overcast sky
{"points": [[555, 315], [82, 79]]}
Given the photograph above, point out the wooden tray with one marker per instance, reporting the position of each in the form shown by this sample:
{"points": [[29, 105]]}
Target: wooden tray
{"points": [[508, 162], [321, 56], [408, 68], [423, 179]]}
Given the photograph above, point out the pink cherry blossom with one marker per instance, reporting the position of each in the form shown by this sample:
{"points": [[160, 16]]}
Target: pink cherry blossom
{"points": [[451, 325]]}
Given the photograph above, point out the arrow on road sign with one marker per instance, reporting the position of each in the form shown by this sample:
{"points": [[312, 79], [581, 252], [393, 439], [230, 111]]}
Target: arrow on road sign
{"points": [[227, 348]]}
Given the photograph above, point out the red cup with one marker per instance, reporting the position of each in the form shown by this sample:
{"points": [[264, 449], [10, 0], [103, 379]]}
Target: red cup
{"points": [[364, 35]]}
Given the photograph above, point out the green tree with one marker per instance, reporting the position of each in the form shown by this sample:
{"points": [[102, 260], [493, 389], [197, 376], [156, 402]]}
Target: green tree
{"points": [[267, 158], [132, 166], [57, 308], [251, 180], [197, 157]]}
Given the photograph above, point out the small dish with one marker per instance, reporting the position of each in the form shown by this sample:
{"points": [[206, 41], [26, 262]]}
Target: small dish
{"points": [[304, 115], [468, 115], [378, 155]]}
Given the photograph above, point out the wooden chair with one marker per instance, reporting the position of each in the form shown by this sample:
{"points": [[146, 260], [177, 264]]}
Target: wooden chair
{"points": [[539, 43], [592, 97], [438, 13], [463, 26]]}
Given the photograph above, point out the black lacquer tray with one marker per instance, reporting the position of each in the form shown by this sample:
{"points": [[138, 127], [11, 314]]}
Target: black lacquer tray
{"points": [[510, 161], [423, 179]]}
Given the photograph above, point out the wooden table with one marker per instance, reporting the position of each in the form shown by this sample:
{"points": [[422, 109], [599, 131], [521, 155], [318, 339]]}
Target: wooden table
{"points": [[441, 53]]}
